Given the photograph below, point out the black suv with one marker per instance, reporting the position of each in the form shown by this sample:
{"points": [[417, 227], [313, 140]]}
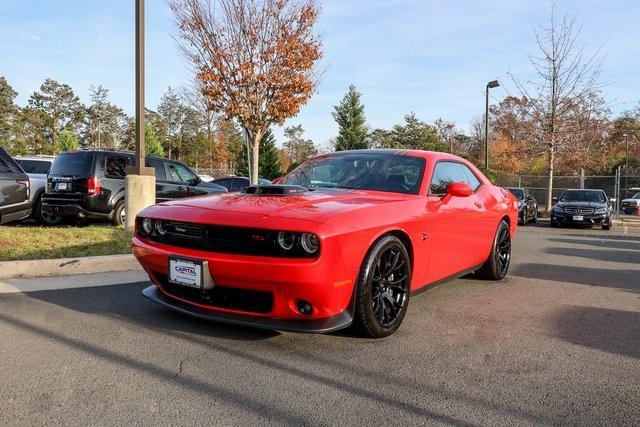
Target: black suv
{"points": [[14, 190], [587, 207], [238, 183], [90, 184]]}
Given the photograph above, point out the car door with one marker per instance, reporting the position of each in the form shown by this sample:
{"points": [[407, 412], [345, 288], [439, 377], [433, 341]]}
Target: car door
{"points": [[454, 223], [14, 187], [162, 184]]}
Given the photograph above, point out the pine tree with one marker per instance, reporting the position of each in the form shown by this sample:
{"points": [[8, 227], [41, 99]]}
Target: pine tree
{"points": [[151, 141], [349, 115], [269, 163], [67, 141]]}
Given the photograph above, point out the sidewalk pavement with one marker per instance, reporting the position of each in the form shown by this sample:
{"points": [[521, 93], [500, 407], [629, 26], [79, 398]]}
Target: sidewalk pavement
{"points": [[33, 284], [68, 266]]}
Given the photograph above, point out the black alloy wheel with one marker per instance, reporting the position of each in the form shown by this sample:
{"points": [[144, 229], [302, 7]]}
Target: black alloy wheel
{"points": [[383, 290], [497, 266]]}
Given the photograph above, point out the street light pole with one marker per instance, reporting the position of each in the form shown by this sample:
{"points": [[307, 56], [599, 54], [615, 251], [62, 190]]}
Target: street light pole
{"points": [[491, 84], [140, 182]]}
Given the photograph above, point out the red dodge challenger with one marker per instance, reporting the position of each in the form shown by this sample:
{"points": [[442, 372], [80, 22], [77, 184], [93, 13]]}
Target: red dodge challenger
{"points": [[343, 240]]}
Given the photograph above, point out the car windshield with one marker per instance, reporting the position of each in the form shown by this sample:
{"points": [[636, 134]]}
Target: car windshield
{"points": [[518, 192], [72, 164], [584, 196], [361, 171]]}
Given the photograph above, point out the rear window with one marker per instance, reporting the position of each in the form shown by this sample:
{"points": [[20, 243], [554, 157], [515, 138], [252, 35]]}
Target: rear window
{"points": [[73, 164], [35, 166]]}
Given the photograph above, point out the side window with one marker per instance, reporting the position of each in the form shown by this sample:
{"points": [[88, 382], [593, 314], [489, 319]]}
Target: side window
{"points": [[179, 173], [158, 166], [115, 166], [226, 183], [239, 184], [444, 174], [472, 180], [7, 165]]}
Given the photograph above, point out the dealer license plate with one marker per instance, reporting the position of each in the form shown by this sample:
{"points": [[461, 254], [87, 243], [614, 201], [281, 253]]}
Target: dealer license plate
{"points": [[578, 217], [185, 272], [62, 186]]}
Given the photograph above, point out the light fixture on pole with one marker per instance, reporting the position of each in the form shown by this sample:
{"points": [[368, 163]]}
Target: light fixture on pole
{"points": [[490, 85]]}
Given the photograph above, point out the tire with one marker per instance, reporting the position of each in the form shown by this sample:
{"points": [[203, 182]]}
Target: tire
{"points": [[118, 214], [44, 218], [497, 266], [607, 225], [383, 289], [535, 216], [522, 219], [554, 224]]}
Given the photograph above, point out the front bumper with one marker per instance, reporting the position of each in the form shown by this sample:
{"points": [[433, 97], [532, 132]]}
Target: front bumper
{"points": [[323, 325], [243, 281], [593, 219]]}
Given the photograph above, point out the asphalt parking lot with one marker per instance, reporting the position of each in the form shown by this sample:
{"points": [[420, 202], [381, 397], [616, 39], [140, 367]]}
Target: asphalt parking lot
{"points": [[557, 342]]}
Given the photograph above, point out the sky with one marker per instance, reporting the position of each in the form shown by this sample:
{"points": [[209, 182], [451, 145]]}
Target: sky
{"points": [[430, 57]]}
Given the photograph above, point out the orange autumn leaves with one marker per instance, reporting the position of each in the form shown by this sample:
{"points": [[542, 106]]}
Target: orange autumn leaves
{"points": [[256, 59]]}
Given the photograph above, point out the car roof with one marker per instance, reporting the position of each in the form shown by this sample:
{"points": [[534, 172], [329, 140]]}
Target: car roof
{"points": [[35, 157], [125, 152], [423, 154], [584, 189]]}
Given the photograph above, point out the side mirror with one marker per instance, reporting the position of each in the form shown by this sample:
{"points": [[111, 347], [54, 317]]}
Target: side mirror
{"points": [[459, 189], [554, 199]]}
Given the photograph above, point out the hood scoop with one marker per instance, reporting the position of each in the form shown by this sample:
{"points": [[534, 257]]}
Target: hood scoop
{"points": [[275, 190]]}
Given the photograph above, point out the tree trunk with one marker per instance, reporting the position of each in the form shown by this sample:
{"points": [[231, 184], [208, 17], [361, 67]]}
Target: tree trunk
{"points": [[255, 154], [550, 177]]}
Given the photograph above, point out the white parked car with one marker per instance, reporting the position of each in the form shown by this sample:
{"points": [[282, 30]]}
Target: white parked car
{"points": [[37, 167], [631, 205]]}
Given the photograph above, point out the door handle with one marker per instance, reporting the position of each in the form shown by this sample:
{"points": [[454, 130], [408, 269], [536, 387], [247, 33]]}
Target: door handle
{"points": [[478, 204]]}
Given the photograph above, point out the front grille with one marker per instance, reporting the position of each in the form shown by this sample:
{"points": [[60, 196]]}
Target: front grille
{"points": [[579, 211], [225, 239], [221, 296]]}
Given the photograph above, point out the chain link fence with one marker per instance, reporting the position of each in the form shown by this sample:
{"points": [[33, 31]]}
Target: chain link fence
{"points": [[618, 186]]}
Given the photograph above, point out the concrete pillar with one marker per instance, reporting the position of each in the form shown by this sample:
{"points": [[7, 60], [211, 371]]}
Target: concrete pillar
{"points": [[140, 192]]}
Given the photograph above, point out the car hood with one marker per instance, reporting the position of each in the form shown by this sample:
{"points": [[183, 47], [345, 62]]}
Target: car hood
{"points": [[310, 205], [631, 200]]}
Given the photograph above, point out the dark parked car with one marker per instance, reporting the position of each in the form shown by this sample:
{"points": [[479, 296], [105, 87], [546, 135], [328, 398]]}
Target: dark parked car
{"points": [[527, 206], [14, 190], [238, 183], [37, 168], [586, 207], [90, 184]]}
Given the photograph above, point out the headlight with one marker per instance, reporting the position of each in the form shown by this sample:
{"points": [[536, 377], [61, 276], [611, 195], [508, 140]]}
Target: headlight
{"points": [[601, 211], [557, 209], [286, 240], [161, 227], [309, 243], [147, 226]]}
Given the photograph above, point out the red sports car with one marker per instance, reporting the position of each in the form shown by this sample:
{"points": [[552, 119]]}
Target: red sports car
{"points": [[344, 240]]}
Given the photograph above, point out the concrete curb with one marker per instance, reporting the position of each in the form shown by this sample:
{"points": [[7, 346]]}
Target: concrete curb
{"points": [[68, 266]]}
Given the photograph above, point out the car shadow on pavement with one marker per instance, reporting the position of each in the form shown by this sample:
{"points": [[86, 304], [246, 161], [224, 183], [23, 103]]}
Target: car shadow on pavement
{"points": [[614, 331], [126, 302], [121, 302], [620, 278], [611, 255], [599, 243]]}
